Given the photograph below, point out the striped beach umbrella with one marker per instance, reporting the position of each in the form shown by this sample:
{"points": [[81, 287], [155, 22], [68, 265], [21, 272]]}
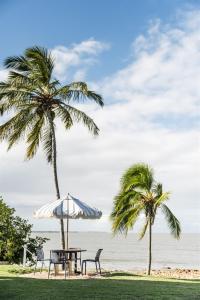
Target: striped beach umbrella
{"points": [[68, 208]]}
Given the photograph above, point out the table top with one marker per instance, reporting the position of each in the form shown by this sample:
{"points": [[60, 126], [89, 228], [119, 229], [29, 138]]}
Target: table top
{"points": [[71, 250]]}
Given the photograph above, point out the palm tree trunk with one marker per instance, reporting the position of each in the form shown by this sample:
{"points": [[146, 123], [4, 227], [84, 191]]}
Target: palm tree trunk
{"points": [[57, 190], [150, 250], [56, 178]]}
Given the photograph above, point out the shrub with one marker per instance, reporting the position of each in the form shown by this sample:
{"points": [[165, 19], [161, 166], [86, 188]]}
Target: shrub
{"points": [[15, 233]]}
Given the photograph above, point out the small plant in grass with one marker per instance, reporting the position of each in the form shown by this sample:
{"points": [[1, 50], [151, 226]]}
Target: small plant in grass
{"points": [[16, 269]]}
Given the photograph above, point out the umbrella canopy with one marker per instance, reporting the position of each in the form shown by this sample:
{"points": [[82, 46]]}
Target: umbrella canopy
{"points": [[68, 208]]}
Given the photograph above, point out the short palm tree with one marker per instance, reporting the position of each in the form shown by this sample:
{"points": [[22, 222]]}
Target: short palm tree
{"points": [[140, 193], [33, 100]]}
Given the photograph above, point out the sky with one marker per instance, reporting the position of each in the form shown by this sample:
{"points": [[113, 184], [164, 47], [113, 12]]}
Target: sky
{"points": [[143, 57]]}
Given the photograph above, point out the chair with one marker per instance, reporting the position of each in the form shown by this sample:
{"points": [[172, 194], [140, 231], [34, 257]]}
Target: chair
{"points": [[40, 258], [58, 258], [95, 260]]}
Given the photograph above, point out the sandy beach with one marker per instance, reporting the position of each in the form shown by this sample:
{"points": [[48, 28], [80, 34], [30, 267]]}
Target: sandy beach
{"points": [[174, 273], [162, 273]]}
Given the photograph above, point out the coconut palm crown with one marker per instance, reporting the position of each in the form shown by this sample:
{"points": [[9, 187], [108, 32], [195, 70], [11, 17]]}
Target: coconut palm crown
{"points": [[33, 100], [140, 193]]}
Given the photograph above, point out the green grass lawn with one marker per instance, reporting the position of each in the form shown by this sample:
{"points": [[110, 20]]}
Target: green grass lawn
{"points": [[118, 286]]}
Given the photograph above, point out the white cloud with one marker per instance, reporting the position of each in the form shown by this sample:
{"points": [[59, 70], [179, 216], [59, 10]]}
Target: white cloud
{"points": [[164, 75], [80, 75], [3, 74], [152, 118], [80, 55]]}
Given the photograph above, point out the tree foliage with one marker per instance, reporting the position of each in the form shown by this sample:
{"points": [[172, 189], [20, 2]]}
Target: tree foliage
{"points": [[15, 233], [34, 99], [140, 193]]}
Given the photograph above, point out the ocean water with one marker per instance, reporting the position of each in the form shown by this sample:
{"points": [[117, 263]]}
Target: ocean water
{"points": [[128, 253]]}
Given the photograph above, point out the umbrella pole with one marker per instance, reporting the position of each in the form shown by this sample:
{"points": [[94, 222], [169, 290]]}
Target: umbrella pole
{"points": [[67, 232], [67, 223]]}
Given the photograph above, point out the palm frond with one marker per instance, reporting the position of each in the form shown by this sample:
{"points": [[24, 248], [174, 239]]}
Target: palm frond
{"points": [[19, 63], [79, 91], [144, 229], [139, 176], [21, 81], [172, 221], [20, 127], [5, 107], [33, 138], [125, 220], [41, 62], [95, 97], [65, 116], [13, 93], [80, 117], [126, 200], [161, 198], [158, 189], [127, 207], [9, 129], [47, 140]]}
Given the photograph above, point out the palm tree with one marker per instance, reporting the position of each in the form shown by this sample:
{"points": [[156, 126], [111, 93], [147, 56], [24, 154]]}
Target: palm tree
{"points": [[140, 193], [33, 100]]}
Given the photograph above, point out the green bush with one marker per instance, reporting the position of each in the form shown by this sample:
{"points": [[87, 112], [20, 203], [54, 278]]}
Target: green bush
{"points": [[15, 233]]}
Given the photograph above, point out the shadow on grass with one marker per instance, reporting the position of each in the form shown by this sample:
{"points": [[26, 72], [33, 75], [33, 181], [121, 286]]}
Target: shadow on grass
{"points": [[17, 288], [127, 274], [119, 274]]}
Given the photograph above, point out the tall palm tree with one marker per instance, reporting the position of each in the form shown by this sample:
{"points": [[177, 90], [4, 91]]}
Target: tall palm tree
{"points": [[33, 100], [140, 193]]}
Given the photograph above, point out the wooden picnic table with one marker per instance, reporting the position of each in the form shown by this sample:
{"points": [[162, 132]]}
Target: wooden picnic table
{"points": [[71, 254]]}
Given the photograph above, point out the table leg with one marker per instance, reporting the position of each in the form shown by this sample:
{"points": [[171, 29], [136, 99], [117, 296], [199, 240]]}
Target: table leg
{"points": [[70, 267], [75, 263], [56, 269]]}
